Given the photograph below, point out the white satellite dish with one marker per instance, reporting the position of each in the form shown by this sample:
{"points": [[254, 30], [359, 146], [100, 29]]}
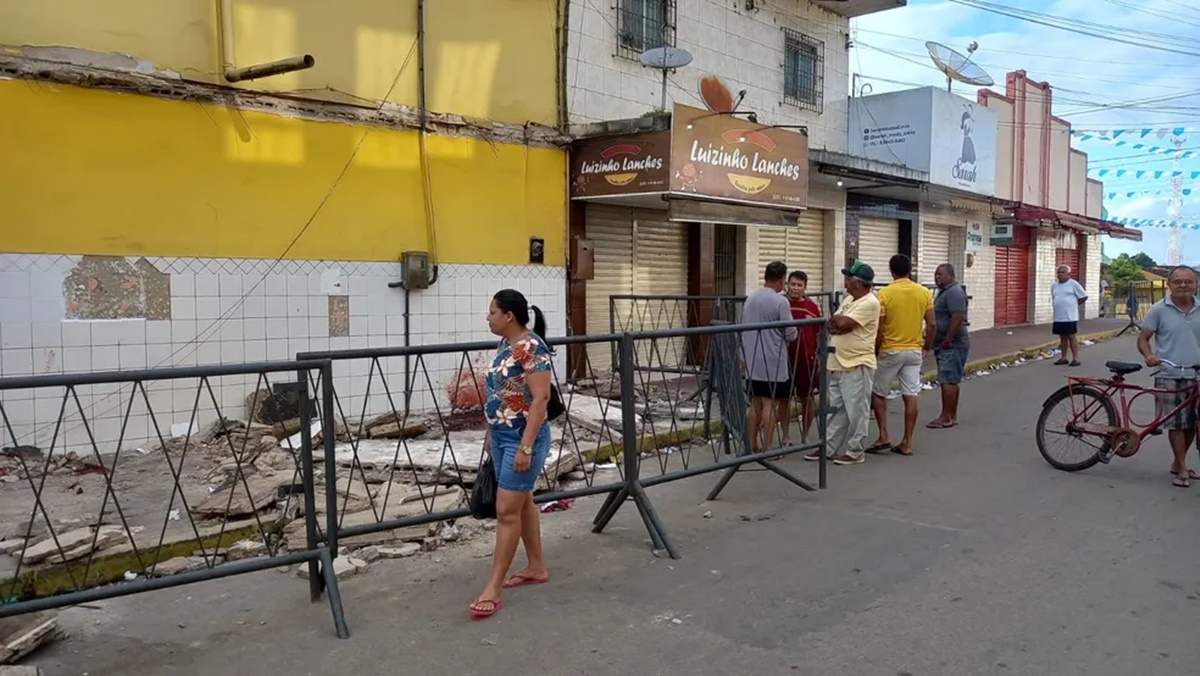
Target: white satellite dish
{"points": [[665, 59], [958, 67]]}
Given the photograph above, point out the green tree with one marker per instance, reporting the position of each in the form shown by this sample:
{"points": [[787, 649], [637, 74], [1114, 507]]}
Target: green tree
{"points": [[1125, 269], [1143, 261]]}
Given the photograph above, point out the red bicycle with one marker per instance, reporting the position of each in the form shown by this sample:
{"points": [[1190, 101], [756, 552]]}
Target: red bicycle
{"points": [[1093, 418]]}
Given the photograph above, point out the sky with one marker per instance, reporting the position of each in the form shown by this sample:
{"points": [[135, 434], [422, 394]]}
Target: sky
{"points": [[1088, 74]]}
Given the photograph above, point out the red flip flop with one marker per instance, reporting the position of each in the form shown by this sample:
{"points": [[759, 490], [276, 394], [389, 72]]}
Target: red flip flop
{"points": [[481, 610], [522, 580]]}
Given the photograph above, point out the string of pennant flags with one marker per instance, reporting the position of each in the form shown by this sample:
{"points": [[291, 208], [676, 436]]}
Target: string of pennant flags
{"points": [[1155, 223], [1086, 134], [1116, 195], [1148, 149], [1143, 174]]}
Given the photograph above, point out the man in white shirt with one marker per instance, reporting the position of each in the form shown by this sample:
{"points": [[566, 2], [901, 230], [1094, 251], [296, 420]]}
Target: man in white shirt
{"points": [[1067, 296]]}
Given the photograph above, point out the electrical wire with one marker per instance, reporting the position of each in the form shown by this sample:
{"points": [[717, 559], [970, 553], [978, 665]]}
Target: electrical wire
{"points": [[1092, 29]]}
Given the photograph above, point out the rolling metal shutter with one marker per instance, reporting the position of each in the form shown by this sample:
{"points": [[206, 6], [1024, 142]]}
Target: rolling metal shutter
{"points": [[611, 232], [933, 250], [1012, 279], [800, 248], [878, 241], [806, 248], [660, 250]]}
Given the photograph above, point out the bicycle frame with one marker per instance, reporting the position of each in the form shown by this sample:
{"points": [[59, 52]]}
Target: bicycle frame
{"points": [[1116, 388]]}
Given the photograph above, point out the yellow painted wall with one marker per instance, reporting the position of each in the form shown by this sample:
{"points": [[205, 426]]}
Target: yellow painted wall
{"points": [[493, 59], [90, 171]]}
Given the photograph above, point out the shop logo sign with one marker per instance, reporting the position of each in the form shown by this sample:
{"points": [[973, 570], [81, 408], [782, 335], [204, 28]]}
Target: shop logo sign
{"points": [[964, 167]]}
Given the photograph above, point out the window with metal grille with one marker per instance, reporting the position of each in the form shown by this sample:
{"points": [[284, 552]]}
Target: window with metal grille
{"points": [[803, 71], [643, 25]]}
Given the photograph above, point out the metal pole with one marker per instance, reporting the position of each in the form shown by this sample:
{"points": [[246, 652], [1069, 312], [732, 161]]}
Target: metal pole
{"points": [[330, 432], [315, 581], [822, 405]]}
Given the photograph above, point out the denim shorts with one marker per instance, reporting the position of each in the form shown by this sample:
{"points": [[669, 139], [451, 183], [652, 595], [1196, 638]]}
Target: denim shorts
{"points": [[950, 365], [505, 441]]}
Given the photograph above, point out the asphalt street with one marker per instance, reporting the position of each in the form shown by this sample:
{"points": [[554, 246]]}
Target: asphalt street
{"points": [[972, 557]]}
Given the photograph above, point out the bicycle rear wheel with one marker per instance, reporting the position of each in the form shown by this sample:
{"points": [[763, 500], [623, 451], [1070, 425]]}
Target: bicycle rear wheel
{"points": [[1074, 404]]}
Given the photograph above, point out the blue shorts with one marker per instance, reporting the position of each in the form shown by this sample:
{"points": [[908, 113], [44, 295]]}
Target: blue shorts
{"points": [[950, 365], [505, 442]]}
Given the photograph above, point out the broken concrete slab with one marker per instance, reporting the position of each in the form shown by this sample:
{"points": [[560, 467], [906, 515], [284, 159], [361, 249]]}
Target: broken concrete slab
{"points": [[177, 565], [106, 536], [453, 460], [65, 542], [343, 567], [21, 635], [402, 551], [257, 493], [246, 549]]}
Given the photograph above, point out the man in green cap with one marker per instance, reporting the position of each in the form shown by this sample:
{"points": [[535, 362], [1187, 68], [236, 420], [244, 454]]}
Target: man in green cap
{"points": [[851, 368]]}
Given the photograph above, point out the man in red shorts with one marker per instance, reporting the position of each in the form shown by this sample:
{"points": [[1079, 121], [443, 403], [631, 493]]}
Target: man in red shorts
{"points": [[802, 353]]}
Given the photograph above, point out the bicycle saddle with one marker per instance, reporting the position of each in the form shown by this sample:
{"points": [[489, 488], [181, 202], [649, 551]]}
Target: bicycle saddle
{"points": [[1122, 367]]}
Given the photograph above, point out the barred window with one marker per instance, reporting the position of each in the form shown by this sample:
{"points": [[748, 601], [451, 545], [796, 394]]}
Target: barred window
{"points": [[643, 25], [803, 71]]}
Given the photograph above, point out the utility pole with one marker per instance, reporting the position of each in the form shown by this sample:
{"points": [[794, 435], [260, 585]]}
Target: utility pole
{"points": [[1175, 206]]}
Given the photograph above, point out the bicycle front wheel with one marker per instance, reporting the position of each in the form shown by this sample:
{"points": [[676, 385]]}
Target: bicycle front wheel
{"points": [[1065, 447]]}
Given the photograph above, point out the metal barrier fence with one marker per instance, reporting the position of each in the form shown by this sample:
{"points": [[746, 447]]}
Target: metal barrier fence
{"points": [[430, 452], [215, 497], [641, 312], [210, 498]]}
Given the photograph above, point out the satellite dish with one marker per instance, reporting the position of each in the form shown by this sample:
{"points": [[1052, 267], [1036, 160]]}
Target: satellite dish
{"points": [[665, 59], [958, 67], [715, 95]]}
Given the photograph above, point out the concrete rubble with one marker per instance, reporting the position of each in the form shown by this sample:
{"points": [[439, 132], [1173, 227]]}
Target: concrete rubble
{"points": [[23, 634], [241, 480]]}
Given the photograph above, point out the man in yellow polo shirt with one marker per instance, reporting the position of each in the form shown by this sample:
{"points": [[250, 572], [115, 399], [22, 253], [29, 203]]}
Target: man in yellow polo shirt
{"points": [[851, 368], [905, 311]]}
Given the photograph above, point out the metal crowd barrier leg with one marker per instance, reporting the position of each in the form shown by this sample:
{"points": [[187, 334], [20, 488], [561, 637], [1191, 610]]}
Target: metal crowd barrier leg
{"points": [[632, 488]]}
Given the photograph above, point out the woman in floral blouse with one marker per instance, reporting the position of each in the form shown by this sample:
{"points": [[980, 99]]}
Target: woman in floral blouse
{"points": [[518, 392]]}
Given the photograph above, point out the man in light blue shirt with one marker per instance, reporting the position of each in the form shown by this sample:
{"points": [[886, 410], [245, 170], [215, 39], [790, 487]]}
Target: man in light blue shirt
{"points": [[765, 352], [1174, 324], [1067, 296]]}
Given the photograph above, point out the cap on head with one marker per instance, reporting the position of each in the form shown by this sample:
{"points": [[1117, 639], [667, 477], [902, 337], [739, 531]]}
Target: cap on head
{"points": [[860, 271]]}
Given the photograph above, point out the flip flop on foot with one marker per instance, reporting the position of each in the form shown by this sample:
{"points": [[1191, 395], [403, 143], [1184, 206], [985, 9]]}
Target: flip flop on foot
{"points": [[878, 447], [1192, 474], [1061, 362], [1181, 482], [524, 580], [940, 425], [1074, 362], [485, 608], [900, 451]]}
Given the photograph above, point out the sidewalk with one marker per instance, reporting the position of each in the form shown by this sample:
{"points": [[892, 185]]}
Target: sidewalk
{"points": [[1009, 341]]}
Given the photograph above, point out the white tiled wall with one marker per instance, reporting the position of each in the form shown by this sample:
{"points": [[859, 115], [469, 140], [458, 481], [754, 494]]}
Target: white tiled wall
{"points": [[227, 311], [980, 281], [742, 47], [1045, 243], [1091, 274]]}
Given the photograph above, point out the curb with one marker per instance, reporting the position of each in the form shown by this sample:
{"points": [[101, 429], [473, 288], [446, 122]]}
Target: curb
{"points": [[989, 362]]}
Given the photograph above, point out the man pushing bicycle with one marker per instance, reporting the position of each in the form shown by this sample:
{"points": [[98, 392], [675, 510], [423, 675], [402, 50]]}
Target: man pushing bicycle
{"points": [[1174, 323]]}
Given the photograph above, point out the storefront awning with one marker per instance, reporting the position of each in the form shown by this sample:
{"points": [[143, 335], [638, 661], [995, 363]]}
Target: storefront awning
{"points": [[1034, 216]]}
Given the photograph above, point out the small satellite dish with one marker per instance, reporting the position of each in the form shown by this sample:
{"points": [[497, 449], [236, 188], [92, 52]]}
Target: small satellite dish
{"points": [[665, 59], [958, 67]]}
